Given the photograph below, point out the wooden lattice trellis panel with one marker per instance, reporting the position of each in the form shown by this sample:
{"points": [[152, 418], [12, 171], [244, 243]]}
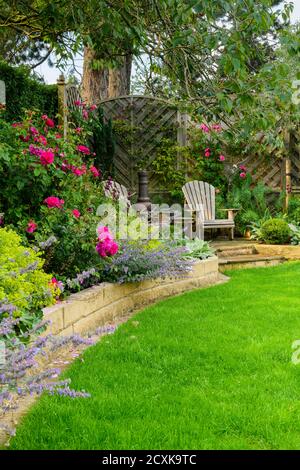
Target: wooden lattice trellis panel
{"points": [[267, 171], [148, 120], [72, 95]]}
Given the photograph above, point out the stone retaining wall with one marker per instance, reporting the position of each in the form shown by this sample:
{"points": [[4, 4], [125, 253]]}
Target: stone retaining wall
{"points": [[289, 252], [93, 307]]}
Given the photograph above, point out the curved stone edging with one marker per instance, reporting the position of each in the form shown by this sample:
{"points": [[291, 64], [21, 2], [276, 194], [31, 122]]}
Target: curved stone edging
{"points": [[85, 311]]}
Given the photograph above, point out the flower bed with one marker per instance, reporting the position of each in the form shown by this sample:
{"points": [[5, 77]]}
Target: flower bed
{"points": [[86, 310]]}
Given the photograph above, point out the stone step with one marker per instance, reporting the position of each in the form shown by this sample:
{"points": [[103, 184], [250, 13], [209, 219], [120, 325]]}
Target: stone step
{"points": [[249, 261], [233, 251]]}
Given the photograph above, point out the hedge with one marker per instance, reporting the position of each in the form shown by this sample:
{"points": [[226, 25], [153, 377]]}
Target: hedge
{"points": [[23, 92]]}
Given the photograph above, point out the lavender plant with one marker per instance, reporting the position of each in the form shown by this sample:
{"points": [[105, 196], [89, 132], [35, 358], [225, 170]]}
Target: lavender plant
{"points": [[20, 373], [138, 261]]}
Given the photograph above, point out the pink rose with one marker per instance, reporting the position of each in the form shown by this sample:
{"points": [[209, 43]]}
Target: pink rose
{"points": [[24, 138], [53, 201], [93, 107], [76, 213], [31, 226], [85, 114], [83, 149], [94, 171], [217, 127], [78, 130], [58, 136], [205, 128], [243, 168], [46, 157], [243, 175], [34, 130], [77, 103], [221, 158], [49, 122], [114, 249]]}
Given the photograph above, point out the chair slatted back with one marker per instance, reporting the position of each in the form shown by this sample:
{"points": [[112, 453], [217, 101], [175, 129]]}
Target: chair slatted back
{"points": [[115, 190], [200, 196]]}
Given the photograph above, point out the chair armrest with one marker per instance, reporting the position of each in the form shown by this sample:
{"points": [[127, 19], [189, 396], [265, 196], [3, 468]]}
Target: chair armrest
{"points": [[231, 212]]}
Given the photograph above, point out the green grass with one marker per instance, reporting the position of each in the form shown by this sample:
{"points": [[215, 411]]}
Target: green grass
{"points": [[210, 369]]}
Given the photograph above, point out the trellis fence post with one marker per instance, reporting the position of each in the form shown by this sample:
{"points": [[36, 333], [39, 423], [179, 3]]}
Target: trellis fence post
{"points": [[62, 103], [2, 94], [182, 135]]}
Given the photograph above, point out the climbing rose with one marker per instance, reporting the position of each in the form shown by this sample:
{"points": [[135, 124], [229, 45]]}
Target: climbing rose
{"points": [[217, 127], [83, 149], [31, 226], [94, 171], [243, 168], [207, 152], [93, 107], [78, 171], [221, 158], [34, 130], [58, 136], [76, 213], [49, 122], [85, 114], [204, 127], [53, 201], [24, 138], [46, 157], [243, 175], [78, 103]]}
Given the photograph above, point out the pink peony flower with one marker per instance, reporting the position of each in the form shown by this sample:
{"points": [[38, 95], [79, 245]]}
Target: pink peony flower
{"points": [[31, 226], [76, 213], [106, 246], [221, 158], [96, 173], [83, 149], [104, 233], [243, 175], [46, 157], [53, 201]]}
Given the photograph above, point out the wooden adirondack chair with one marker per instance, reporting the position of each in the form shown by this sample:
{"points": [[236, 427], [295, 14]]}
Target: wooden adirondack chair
{"points": [[115, 190], [200, 198]]}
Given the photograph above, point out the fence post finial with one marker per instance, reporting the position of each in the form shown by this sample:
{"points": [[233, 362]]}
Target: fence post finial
{"points": [[62, 104]]}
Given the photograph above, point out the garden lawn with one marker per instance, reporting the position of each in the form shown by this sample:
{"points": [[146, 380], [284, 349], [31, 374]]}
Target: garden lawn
{"points": [[210, 369]]}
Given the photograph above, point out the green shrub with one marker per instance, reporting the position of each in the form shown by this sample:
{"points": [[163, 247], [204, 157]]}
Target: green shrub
{"points": [[294, 210], [23, 93], [24, 287], [275, 231]]}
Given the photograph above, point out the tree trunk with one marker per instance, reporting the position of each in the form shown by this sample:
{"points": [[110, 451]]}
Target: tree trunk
{"points": [[102, 84]]}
